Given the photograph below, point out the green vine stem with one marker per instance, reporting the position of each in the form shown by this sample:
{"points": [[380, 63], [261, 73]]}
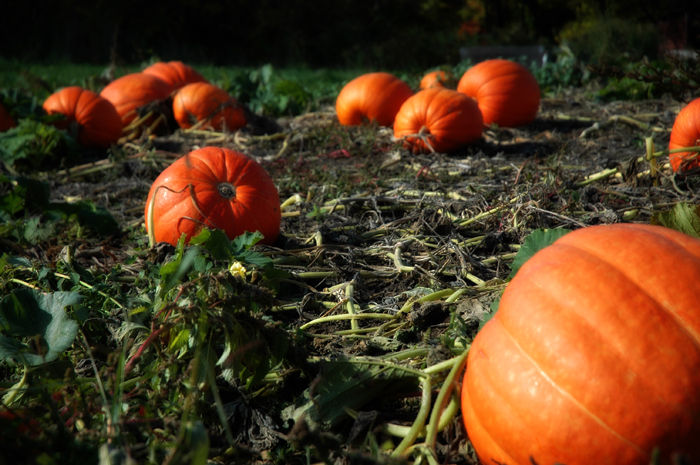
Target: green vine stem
{"points": [[418, 424]]}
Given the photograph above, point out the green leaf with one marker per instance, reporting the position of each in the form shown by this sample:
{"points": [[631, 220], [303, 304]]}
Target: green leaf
{"points": [[215, 242], [349, 383], [89, 215], [683, 217], [28, 313], [536, 241]]}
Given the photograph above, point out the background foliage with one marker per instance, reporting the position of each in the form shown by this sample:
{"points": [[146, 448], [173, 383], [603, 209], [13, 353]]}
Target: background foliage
{"points": [[399, 34]]}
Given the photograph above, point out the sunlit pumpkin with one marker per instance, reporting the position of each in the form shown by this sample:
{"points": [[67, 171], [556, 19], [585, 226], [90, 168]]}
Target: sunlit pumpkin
{"points": [[217, 188], [132, 91], [175, 73], [594, 354], [686, 133], [91, 119], [6, 121], [439, 78], [371, 97], [507, 93], [204, 101], [439, 120]]}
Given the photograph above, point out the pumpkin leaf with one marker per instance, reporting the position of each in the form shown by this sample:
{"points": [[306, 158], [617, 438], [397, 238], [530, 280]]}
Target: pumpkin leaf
{"points": [[533, 243], [349, 383], [88, 214], [683, 217], [32, 313]]}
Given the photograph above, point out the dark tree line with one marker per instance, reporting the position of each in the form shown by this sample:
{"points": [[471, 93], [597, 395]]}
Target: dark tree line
{"points": [[400, 34]]}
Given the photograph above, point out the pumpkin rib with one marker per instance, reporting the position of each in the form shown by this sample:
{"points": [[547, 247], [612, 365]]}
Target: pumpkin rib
{"points": [[691, 332], [661, 309], [567, 394], [495, 388], [620, 354]]}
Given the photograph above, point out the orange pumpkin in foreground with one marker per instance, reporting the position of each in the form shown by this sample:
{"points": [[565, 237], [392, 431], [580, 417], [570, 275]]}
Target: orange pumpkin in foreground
{"points": [[437, 78], [6, 121], [371, 97], [217, 188], [685, 133], [594, 354], [92, 120], [204, 101], [133, 91], [439, 120], [175, 73], [507, 93]]}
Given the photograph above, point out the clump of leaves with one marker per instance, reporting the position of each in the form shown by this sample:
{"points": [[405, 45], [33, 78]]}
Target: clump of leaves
{"points": [[679, 77], [27, 215], [33, 145], [267, 93]]}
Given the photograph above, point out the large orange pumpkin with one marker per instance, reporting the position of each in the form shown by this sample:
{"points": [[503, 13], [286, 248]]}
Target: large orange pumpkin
{"points": [[439, 120], [594, 354], [439, 78], [6, 121], [507, 93], [371, 97], [201, 100], [132, 91], [175, 73], [686, 133], [218, 188], [92, 120]]}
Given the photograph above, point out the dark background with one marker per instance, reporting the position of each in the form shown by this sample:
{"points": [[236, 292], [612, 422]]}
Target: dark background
{"points": [[399, 34]]}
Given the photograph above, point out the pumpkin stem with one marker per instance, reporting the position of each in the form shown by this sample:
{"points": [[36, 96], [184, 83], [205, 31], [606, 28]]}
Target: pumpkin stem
{"points": [[226, 190], [424, 130]]}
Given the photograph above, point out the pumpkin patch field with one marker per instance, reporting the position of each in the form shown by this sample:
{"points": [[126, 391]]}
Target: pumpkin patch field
{"points": [[201, 266]]}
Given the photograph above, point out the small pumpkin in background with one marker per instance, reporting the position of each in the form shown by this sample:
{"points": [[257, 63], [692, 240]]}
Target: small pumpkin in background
{"points": [[371, 97], [92, 120], [175, 73], [217, 188], [208, 104], [593, 356], [439, 120], [507, 93], [131, 92], [6, 121], [685, 133], [439, 78]]}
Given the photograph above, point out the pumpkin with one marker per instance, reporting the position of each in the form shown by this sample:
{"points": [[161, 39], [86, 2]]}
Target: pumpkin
{"points": [[6, 121], [437, 78], [439, 120], [685, 133], [91, 119], [217, 188], [175, 73], [203, 101], [371, 97], [594, 354], [507, 93], [133, 91]]}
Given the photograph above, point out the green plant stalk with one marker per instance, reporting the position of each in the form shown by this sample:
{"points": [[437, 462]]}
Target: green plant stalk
{"points": [[448, 414], [443, 397], [88, 286], [486, 214], [652, 159], [220, 407], [358, 316], [418, 424], [457, 294], [426, 298], [350, 305]]}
